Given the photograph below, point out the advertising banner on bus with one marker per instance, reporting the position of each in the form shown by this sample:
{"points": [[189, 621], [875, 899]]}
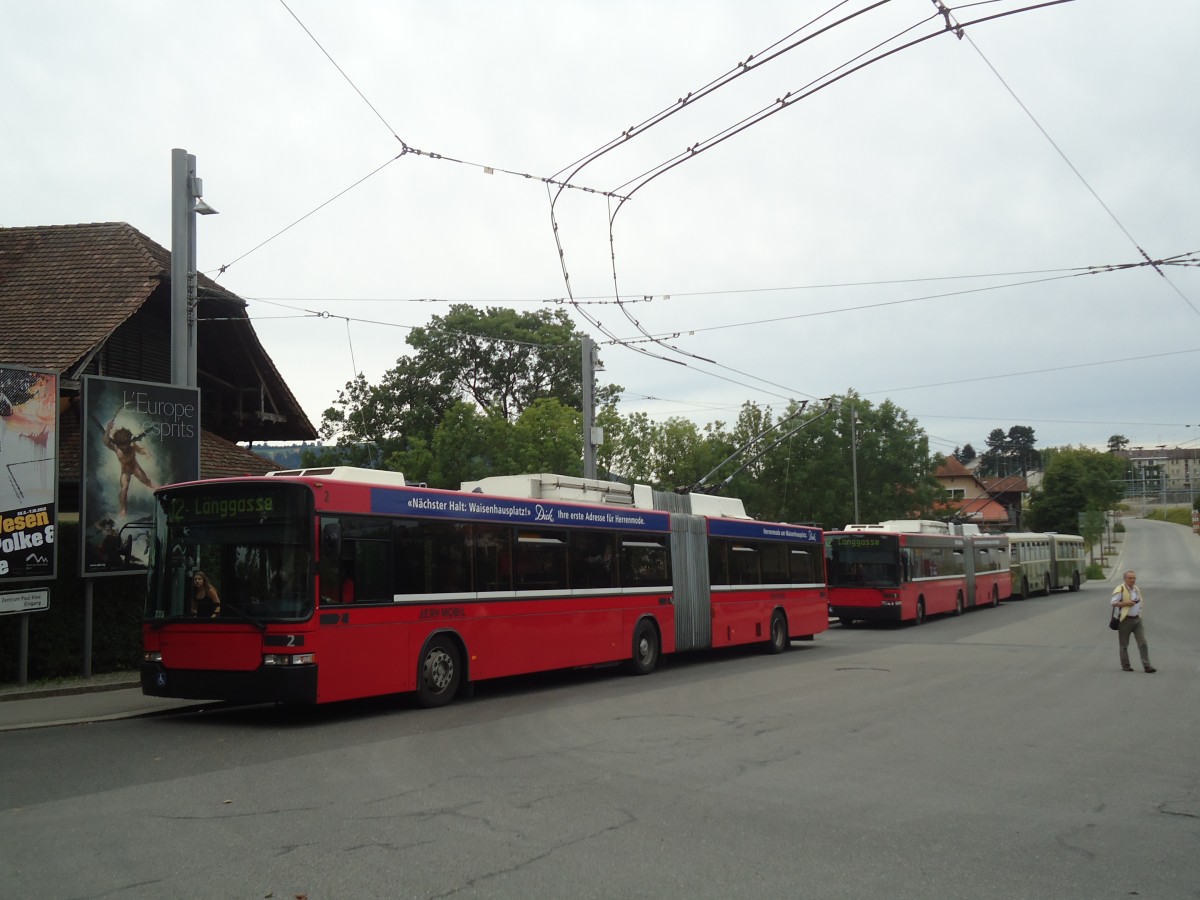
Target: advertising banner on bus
{"points": [[519, 512], [136, 436], [29, 481]]}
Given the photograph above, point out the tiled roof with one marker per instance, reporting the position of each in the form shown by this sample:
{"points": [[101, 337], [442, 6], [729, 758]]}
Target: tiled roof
{"points": [[952, 468], [976, 510], [1009, 484], [220, 458], [65, 289]]}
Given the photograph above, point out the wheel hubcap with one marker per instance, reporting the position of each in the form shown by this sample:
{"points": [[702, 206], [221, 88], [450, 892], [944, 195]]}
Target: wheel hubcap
{"points": [[439, 669]]}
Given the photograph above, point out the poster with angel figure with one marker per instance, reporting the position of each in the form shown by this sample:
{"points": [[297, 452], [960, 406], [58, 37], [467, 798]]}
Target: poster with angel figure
{"points": [[137, 436], [28, 473]]}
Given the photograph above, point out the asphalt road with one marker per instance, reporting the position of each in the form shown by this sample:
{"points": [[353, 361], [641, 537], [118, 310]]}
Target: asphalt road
{"points": [[1001, 754]]}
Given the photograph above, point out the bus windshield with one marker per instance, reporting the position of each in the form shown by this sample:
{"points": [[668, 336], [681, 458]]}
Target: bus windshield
{"points": [[232, 552], [863, 560]]}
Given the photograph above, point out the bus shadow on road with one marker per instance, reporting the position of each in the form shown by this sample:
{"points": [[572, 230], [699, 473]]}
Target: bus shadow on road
{"points": [[559, 687]]}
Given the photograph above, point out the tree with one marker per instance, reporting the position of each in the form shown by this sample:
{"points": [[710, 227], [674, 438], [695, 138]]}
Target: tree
{"points": [[469, 445], [1075, 480], [967, 454], [1010, 452], [1117, 443], [547, 438], [809, 477], [499, 361]]}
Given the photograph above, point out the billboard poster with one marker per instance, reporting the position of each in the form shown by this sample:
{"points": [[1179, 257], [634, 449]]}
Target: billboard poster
{"points": [[29, 476], [136, 436]]}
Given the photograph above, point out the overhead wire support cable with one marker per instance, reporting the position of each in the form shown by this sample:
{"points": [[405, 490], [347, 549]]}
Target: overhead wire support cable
{"points": [[712, 489], [792, 97], [758, 437], [1070, 165]]}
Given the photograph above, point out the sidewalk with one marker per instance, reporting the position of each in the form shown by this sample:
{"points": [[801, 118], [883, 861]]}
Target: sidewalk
{"points": [[76, 701]]}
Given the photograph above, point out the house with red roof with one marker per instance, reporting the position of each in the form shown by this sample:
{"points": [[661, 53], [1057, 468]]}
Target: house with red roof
{"points": [[970, 500]]}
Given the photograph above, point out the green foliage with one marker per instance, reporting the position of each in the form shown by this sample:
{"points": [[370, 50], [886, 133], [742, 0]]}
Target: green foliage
{"points": [[1095, 572], [1075, 480], [496, 391], [1092, 527], [806, 473], [469, 445], [547, 437], [1176, 515], [56, 635]]}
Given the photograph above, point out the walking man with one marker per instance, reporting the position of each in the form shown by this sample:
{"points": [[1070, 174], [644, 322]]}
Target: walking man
{"points": [[1128, 599]]}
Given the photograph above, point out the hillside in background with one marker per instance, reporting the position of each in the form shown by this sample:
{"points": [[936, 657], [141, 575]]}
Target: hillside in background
{"points": [[286, 455]]}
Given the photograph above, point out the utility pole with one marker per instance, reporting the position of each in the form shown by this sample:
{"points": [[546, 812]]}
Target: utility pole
{"points": [[592, 436], [854, 457], [187, 192]]}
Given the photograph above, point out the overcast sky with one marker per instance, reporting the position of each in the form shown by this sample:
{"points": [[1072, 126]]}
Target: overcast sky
{"points": [[915, 231]]}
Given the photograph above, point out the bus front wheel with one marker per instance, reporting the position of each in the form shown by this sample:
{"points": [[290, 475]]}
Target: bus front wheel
{"points": [[440, 672], [920, 619], [1046, 586], [1024, 588], [958, 604], [777, 640], [645, 648], [995, 596], [1074, 582]]}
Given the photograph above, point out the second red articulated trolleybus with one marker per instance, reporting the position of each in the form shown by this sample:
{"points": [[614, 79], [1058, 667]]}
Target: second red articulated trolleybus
{"points": [[904, 570], [342, 583]]}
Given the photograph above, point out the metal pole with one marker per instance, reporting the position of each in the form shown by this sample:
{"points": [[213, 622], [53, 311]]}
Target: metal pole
{"points": [[23, 652], [854, 457], [589, 412], [87, 628], [182, 170]]}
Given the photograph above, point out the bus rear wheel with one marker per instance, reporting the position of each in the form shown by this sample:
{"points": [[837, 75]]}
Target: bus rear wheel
{"points": [[846, 621], [1024, 588], [1074, 582], [1046, 586], [777, 641], [645, 648], [440, 672], [995, 596], [958, 604], [920, 619]]}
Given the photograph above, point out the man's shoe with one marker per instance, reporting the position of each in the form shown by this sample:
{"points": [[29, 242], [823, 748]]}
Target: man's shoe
{"points": [[1126, 668], [1150, 670]]}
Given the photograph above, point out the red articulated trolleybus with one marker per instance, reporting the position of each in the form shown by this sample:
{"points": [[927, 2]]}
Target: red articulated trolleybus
{"points": [[340, 583], [904, 570]]}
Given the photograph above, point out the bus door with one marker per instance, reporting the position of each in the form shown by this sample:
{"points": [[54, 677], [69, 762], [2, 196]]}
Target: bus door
{"points": [[360, 645]]}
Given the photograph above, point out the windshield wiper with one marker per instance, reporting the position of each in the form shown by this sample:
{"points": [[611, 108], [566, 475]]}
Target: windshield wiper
{"points": [[261, 626]]}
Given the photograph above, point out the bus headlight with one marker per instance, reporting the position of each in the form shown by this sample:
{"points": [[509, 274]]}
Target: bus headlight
{"points": [[289, 659], [152, 656]]}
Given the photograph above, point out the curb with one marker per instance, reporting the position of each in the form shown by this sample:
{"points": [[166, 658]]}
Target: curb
{"points": [[67, 690]]}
